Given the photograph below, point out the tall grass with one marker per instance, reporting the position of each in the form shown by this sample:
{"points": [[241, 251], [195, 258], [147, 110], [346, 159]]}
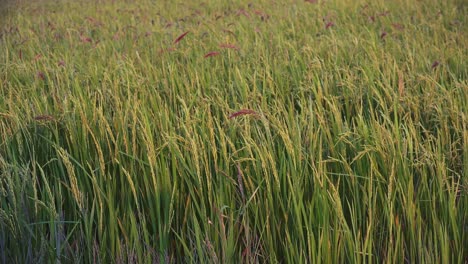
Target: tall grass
{"points": [[286, 131]]}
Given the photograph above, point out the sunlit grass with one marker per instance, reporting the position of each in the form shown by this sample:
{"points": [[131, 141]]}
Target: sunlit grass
{"points": [[234, 131]]}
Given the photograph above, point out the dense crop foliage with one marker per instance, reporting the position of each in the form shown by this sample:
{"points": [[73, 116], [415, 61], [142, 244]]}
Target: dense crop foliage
{"points": [[234, 131]]}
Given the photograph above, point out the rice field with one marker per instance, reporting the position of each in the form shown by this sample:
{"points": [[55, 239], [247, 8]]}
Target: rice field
{"points": [[233, 131]]}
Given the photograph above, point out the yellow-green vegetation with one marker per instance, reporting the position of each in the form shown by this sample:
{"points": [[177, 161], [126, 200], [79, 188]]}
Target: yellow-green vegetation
{"points": [[234, 131]]}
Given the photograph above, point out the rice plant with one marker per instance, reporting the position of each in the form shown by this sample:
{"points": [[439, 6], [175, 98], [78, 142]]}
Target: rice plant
{"points": [[233, 131]]}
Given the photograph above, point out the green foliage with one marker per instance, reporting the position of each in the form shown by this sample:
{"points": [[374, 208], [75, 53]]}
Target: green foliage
{"points": [[273, 131]]}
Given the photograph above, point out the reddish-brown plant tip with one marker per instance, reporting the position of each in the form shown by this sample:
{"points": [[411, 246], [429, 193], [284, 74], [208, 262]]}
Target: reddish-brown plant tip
{"points": [[383, 35], [243, 112], [179, 38], [211, 54], [258, 13], [435, 64], [228, 46], [85, 39], [263, 16], [329, 25], [116, 36], [398, 26], [243, 12], [20, 54], [37, 57], [41, 75], [61, 63], [383, 14]]}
